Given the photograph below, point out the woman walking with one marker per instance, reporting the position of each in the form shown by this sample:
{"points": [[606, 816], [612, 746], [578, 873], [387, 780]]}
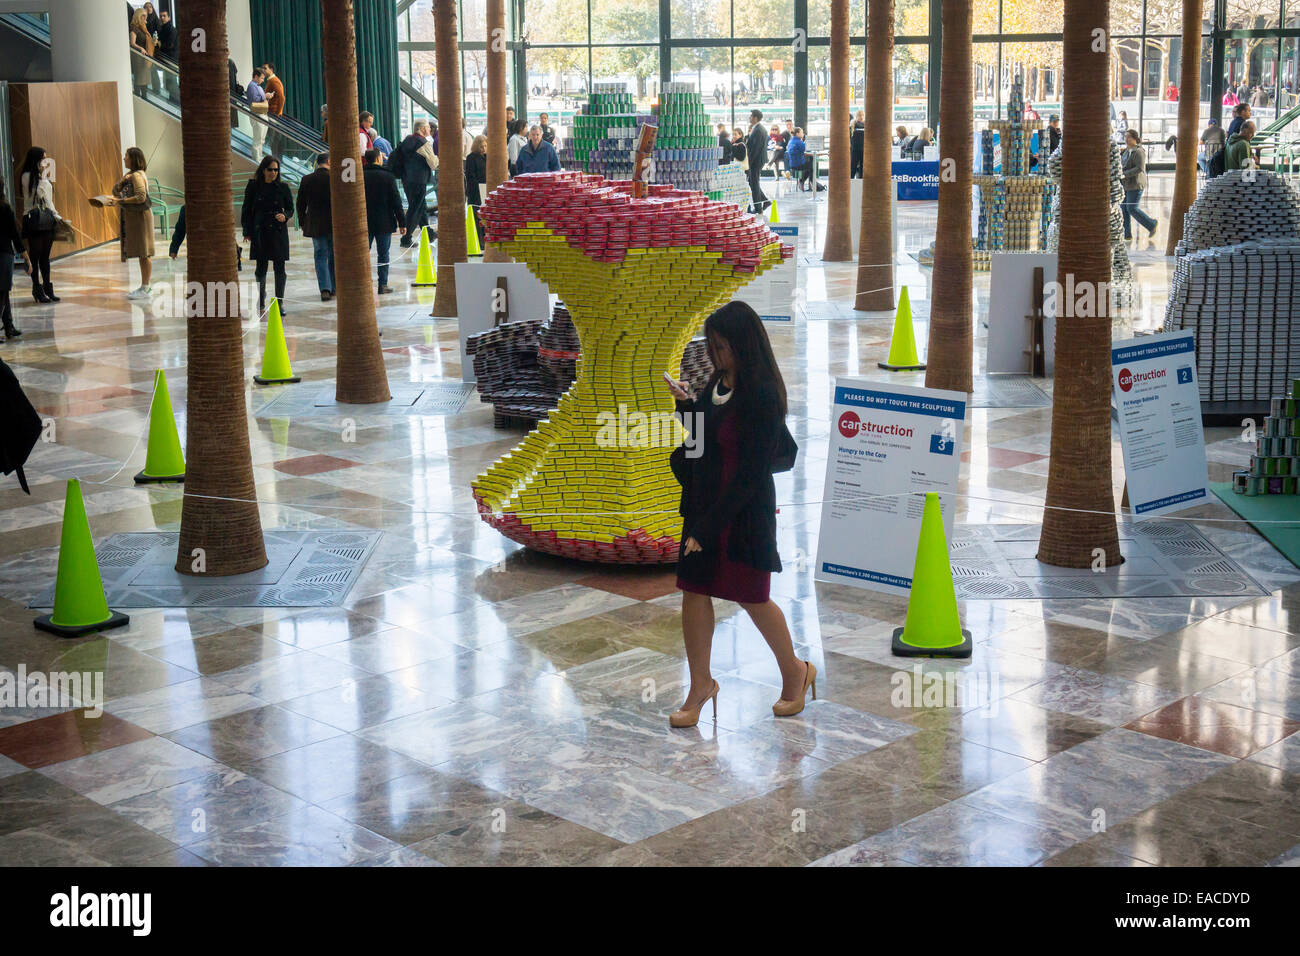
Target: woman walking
{"points": [[268, 207], [11, 243], [131, 193], [1134, 178], [728, 505], [142, 47], [39, 218]]}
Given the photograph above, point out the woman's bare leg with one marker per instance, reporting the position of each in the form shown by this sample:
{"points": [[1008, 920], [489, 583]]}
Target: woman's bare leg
{"points": [[771, 624], [146, 271], [697, 633]]}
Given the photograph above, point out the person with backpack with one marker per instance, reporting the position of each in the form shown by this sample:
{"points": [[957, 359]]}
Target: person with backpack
{"points": [[1213, 141], [413, 163]]}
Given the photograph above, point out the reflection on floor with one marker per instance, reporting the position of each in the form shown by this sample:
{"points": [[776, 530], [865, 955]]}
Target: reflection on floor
{"points": [[473, 703]]}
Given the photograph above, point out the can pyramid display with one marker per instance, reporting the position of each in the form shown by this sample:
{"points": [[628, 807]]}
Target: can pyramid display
{"points": [[604, 137], [1015, 204], [638, 276], [1275, 465]]}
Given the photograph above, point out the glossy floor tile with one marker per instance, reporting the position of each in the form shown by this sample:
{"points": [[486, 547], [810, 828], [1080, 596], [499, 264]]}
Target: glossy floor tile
{"points": [[470, 703]]}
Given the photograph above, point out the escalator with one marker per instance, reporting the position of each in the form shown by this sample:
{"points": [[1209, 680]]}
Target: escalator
{"points": [[25, 40]]}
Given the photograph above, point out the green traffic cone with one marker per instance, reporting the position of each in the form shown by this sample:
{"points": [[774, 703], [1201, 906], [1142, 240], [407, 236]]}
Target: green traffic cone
{"points": [[932, 627], [472, 248], [275, 354], [902, 344], [165, 460], [426, 273], [79, 604]]}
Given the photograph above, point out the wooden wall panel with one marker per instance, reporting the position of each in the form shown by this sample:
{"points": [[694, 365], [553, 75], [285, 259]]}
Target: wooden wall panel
{"points": [[76, 123]]}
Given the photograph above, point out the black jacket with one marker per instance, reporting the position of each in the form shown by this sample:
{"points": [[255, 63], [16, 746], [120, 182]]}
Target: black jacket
{"points": [[725, 142], [178, 234], [738, 150], [11, 237], [756, 146], [383, 202], [414, 168], [21, 426], [314, 211], [261, 203], [748, 504], [167, 40], [475, 172]]}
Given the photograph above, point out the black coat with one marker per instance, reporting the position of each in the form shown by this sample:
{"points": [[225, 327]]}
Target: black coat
{"points": [[314, 210], [725, 142], [748, 504], [756, 146], [21, 428], [261, 203], [383, 201], [415, 169], [167, 40], [475, 172]]}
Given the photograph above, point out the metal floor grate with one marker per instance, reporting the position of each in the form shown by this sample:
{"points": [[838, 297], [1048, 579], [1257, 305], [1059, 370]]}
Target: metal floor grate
{"points": [[408, 398], [1007, 391], [304, 569]]}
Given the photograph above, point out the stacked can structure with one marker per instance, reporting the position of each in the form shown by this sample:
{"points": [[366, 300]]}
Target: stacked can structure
{"points": [[1014, 204], [686, 152], [1123, 290], [1275, 465], [1237, 283], [592, 480]]}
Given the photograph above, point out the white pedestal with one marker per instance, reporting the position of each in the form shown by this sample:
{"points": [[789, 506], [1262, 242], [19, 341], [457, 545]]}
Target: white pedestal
{"points": [[527, 298]]}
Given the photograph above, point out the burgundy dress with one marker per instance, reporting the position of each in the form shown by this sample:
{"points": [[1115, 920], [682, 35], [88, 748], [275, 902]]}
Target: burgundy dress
{"points": [[717, 575]]}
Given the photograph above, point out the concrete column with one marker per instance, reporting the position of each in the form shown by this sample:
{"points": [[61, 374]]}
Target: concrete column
{"points": [[89, 42], [239, 29]]}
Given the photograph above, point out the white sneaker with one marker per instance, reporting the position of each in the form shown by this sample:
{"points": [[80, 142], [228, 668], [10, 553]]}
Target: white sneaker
{"points": [[141, 293]]}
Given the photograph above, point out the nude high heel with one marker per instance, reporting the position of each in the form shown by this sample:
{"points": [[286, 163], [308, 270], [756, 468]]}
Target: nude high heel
{"points": [[788, 708], [689, 718]]}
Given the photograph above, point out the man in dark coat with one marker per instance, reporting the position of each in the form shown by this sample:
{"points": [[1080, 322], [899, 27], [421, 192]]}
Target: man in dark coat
{"points": [[756, 153], [314, 218], [414, 162], [383, 212]]}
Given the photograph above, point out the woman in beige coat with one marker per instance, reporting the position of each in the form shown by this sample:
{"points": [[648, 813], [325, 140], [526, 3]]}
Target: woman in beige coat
{"points": [[142, 47], [132, 194]]}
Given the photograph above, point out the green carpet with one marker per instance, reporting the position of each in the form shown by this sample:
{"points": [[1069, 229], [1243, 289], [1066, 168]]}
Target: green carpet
{"points": [[1262, 509]]}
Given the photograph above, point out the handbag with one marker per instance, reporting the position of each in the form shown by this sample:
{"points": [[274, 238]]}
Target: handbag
{"points": [[37, 220]]}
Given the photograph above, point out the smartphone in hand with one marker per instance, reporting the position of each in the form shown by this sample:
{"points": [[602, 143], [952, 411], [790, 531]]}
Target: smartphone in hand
{"points": [[678, 389]]}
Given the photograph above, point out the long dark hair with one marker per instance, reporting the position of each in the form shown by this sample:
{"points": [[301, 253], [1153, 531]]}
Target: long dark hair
{"points": [[260, 176], [755, 365], [32, 166]]}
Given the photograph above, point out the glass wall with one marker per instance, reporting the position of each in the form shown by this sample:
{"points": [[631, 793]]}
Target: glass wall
{"points": [[743, 54]]}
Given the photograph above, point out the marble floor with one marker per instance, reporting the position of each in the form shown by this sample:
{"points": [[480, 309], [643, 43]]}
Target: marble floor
{"points": [[473, 703]]}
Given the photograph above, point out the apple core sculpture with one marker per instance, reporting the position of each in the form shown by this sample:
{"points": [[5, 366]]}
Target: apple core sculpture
{"points": [[638, 275]]}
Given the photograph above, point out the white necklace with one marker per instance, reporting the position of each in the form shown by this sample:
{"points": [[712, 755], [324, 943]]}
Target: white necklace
{"points": [[721, 400]]}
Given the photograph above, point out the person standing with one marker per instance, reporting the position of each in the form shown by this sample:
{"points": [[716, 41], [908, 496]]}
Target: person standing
{"points": [[414, 163], [236, 91], [1053, 133], [142, 47], [756, 153], [131, 194], [1134, 179], [1213, 141], [728, 505], [466, 139], [11, 243], [367, 130], [548, 134], [724, 144], [39, 217], [536, 155], [857, 144], [167, 49], [316, 222], [476, 180], [268, 207], [510, 122], [383, 212], [275, 104], [1237, 152], [256, 98], [517, 142]]}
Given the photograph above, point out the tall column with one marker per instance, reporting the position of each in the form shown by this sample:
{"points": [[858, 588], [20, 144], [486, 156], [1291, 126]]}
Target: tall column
{"points": [[89, 42], [239, 29]]}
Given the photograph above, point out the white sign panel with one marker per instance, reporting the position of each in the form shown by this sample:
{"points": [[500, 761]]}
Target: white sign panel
{"points": [[1011, 295], [1159, 405], [772, 294], [889, 444], [526, 298]]}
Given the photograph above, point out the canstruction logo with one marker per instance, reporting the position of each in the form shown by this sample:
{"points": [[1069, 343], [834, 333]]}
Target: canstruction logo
{"points": [[850, 425], [1128, 379]]}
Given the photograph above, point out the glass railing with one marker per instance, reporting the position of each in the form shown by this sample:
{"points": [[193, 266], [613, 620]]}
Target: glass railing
{"points": [[34, 25]]}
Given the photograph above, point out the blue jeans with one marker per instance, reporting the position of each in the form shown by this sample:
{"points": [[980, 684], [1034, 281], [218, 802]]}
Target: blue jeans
{"points": [[1129, 207], [323, 249], [384, 241]]}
